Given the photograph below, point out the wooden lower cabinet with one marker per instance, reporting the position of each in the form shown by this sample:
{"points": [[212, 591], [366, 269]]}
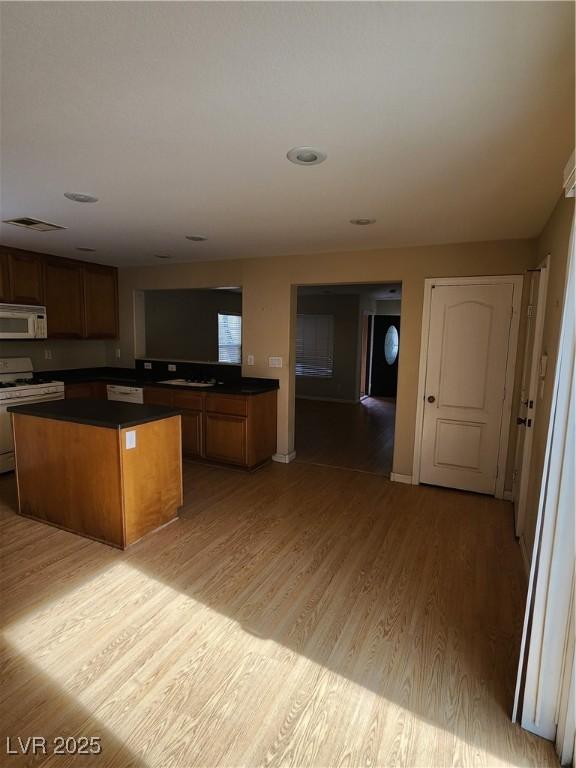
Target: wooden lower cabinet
{"points": [[226, 438], [192, 444], [229, 429]]}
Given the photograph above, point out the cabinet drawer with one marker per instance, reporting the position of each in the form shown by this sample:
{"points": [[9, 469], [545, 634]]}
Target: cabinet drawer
{"points": [[236, 406], [184, 399]]}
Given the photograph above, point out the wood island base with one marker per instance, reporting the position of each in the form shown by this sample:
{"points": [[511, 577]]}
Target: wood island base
{"points": [[111, 485]]}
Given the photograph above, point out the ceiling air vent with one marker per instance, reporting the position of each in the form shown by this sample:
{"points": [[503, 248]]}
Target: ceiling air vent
{"points": [[36, 224]]}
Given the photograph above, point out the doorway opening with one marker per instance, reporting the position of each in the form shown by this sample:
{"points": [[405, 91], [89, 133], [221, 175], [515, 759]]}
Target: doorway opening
{"points": [[347, 350]]}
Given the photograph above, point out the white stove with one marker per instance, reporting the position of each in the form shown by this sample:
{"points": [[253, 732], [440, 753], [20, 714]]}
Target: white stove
{"points": [[18, 386]]}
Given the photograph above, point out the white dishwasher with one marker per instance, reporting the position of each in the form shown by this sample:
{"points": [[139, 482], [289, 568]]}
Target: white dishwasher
{"points": [[124, 393]]}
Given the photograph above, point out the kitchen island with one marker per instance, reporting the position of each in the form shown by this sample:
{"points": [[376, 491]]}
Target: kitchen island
{"points": [[106, 470]]}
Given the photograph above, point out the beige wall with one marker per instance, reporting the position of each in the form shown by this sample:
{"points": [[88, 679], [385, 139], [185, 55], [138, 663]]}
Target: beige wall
{"points": [[269, 308], [554, 241], [388, 307], [344, 384]]}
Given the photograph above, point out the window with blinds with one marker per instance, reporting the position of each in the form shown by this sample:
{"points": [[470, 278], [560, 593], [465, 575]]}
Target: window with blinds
{"points": [[315, 345], [229, 339]]}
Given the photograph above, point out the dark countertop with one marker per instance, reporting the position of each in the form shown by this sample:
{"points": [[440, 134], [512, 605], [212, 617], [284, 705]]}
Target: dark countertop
{"points": [[97, 413], [133, 377]]}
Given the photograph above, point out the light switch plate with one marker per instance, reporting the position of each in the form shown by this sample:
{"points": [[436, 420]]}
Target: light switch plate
{"points": [[130, 439], [47, 354], [171, 367], [148, 366], [275, 362], [118, 353], [250, 360]]}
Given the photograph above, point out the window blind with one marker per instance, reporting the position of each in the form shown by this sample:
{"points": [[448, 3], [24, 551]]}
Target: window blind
{"points": [[315, 345], [229, 339]]}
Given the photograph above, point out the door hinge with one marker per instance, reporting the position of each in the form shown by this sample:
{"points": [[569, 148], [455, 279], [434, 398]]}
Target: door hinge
{"points": [[497, 471], [531, 310], [504, 394]]}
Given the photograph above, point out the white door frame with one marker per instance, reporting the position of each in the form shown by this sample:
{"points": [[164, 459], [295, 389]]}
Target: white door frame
{"points": [[517, 283], [532, 396], [542, 665]]}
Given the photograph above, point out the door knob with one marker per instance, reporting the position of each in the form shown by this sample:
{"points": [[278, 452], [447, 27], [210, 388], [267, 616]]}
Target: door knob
{"points": [[431, 399]]}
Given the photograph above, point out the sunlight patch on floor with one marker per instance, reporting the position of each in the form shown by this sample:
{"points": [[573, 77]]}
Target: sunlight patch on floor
{"points": [[180, 683]]}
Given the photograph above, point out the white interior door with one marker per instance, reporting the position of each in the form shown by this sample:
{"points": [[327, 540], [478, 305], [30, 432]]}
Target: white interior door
{"points": [[529, 396], [468, 347]]}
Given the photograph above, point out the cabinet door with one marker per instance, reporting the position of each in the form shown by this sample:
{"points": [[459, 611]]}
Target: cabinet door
{"points": [[5, 294], [100, 302], [26, 278], [225, 438], [191, 433], [64, 304]]}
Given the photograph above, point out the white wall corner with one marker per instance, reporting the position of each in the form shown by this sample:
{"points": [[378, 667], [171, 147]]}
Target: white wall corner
{"points": [[398, 478], [284, 458]]}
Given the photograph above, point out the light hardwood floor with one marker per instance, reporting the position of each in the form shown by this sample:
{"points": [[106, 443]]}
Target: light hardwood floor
{"points": [[351, 435], [299, 616]]}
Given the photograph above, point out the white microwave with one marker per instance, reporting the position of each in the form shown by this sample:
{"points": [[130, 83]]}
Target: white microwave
{"points": [[19, 321]]}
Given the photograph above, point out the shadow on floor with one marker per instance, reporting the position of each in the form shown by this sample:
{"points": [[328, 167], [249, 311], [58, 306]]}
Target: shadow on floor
{"points": [[413, 594]]}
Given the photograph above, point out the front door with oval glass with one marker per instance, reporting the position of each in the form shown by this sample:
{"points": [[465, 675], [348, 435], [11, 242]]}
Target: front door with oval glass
{"points": [[468, 349], [385, 349]]}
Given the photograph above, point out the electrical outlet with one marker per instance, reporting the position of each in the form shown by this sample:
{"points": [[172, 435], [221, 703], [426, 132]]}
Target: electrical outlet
{"points": [[148, 366], [171, 367], [275, 362], [118, 353], [250, 360], [47, 354]]}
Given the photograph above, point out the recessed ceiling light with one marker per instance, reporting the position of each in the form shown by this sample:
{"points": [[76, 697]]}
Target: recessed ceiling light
{"points": [[306, 156], [196, 238], [86, 250], [80, 197], [162, 256], [362, 222]]}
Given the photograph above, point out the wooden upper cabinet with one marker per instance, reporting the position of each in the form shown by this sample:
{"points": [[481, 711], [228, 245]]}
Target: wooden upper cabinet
{"points": [[5, 293], [64, 300], [100, 302], [81, 298], [26, 278]]}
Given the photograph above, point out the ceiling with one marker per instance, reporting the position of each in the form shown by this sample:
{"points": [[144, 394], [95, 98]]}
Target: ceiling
{"points": [[445, 122]]}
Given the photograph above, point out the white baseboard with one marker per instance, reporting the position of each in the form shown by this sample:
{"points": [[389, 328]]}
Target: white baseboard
{"points": [[397, 478], [525, 556], [284, 458], [508, 496], [326, 399]]}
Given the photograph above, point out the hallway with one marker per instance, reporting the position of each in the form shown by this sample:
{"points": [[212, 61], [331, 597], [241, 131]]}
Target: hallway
{"points": [[356, 436]]}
